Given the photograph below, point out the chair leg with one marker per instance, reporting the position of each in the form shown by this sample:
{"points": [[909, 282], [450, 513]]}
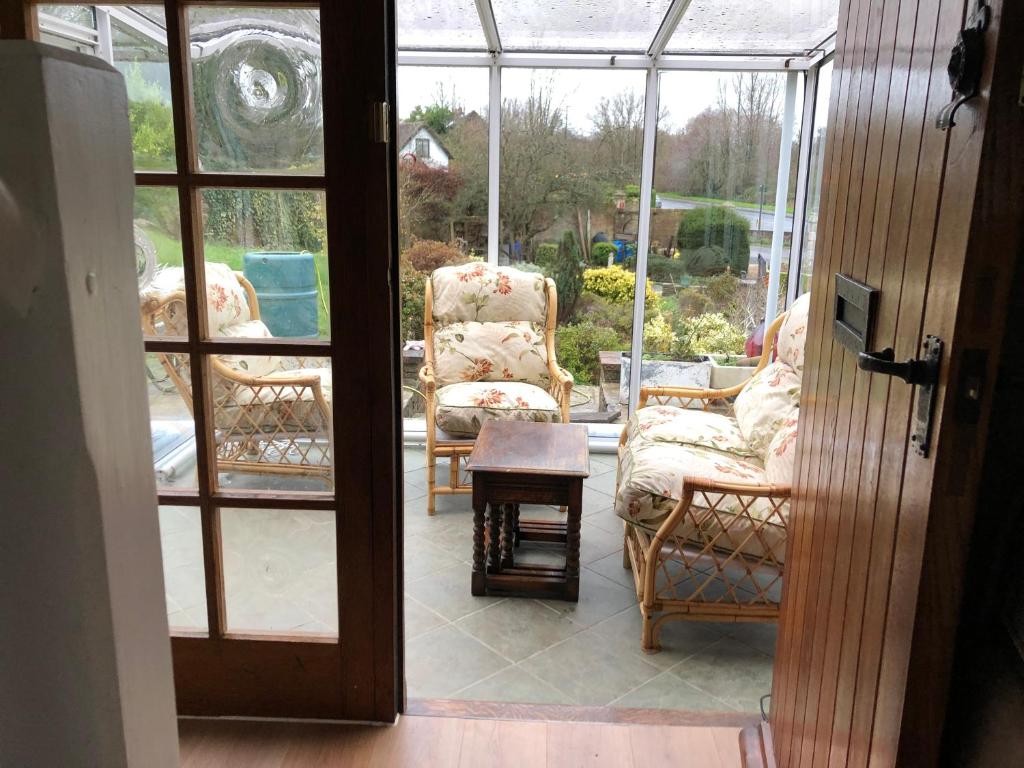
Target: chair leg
{"points": [[625, 551], [431, 481], [648, 638]]}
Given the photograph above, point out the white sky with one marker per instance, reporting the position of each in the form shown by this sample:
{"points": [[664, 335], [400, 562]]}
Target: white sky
{"points": [[683, 94]]}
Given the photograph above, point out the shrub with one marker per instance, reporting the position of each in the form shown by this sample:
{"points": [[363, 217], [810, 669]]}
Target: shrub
{"points": [[722, 289], [707, 334], [567, 273], [428, 255], [705, 261], [546, 254], [716, 225], [599, 253], [658, 336], [692, 302], [662, 269], [525, 266], [577, 346], [602, 312], [616, 284], [412, 284]]}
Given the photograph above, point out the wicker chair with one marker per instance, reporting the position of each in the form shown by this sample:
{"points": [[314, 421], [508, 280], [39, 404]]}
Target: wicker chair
{"points": [[705, 495], [271, 415], [489, 354]]}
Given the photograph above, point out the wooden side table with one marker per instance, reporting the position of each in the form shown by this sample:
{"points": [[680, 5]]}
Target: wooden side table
{"points": [[518, 462]]}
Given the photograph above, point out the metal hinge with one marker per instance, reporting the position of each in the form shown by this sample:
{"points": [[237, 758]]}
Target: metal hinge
{"points": [[379, 122], [966, 63]]}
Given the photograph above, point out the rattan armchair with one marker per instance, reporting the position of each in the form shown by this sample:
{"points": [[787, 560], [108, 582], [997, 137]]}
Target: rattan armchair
{"points": [[712, 547], [458, 315], [271, 415]]}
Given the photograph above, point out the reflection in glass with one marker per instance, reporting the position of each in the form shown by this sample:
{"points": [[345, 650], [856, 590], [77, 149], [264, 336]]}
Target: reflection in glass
{"points": [[280, 571], [171, 423], [754, 26], [181, 542], [613, 25], [256, 89], [439, 25], [816, 173]]}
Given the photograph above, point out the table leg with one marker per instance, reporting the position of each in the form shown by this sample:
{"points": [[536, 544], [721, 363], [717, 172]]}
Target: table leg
{"points": [[507, 534], [572, 541], [479, 584], [515, 523], [494, 536]]}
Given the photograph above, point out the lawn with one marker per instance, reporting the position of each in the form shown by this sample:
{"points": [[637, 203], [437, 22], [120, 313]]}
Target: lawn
{"points": [[768, 207], [168, 253]]}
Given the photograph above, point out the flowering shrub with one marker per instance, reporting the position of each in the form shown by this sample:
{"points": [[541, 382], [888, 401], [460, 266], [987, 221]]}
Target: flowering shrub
{"points": [[708, 334], [616, 284], [428, 255], [658, 336]]}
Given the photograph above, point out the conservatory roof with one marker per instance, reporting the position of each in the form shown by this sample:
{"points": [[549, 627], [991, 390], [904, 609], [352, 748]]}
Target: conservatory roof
{"points": [[652, 27]]}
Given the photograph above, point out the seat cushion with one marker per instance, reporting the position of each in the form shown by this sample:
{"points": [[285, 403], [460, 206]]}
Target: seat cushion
{"points": [[769, 399], [462, 408], [253, 365], [479, 291], [227, 303], [685, 426], [473, 351]]}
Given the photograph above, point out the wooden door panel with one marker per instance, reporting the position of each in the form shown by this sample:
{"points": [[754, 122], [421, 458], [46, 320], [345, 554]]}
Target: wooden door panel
{"points": [[897, 202]]}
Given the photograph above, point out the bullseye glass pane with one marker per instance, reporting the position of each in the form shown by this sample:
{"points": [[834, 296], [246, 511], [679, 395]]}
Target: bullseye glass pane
{"points": [[280, 571], [256, 89]]}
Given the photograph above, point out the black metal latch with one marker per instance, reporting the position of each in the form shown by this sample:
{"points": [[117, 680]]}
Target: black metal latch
{"points": [[923, 373], [966, 61]]}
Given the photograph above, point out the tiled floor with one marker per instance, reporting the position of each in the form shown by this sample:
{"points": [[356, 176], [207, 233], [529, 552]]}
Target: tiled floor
{"points": [[548, 651]]}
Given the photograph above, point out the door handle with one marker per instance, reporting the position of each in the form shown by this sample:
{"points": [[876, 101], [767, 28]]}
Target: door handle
{"points": [[911, 371]]}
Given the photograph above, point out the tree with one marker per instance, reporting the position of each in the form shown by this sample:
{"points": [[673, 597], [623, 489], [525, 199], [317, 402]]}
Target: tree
{"points": [[440, 115]]}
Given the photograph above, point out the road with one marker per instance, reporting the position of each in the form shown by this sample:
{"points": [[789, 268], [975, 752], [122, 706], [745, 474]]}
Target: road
{"points": [[750, 213]]}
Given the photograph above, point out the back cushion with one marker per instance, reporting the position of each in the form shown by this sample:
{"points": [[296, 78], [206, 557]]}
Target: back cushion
{"points": [[472, 351], [226, 300], [793, 334], [770, 398], [780, 461], [481, 292]]}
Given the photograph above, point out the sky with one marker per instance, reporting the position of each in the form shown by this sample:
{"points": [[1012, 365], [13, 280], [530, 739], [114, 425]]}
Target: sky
{"points": [[683, 94]]}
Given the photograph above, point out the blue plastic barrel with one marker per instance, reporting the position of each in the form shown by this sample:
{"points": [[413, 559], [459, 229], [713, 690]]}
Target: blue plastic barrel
{"points": [[286, 287]]}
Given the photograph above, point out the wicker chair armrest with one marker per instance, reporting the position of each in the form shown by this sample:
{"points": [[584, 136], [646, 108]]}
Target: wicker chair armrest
{"points": [[427, 379], [298, 381], [705, 396], [693, 487]]}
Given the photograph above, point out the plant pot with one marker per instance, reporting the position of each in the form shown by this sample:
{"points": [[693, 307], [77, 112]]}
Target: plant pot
{"points": [[729, 370], [666, 373]]}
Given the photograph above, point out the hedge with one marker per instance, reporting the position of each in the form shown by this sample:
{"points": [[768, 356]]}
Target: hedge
{"points": [[716, 225]]}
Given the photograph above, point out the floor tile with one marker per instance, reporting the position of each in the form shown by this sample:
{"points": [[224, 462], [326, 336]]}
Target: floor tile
{"points": [[594, 499], [447, 592], [679, 639], [599, 599], [445, 660], [423, 558], [605, 483], [512, 684], [760, 636], [587, 672], [609, 460], [605, 518], [731, 671], [420, 619], [596, 542], [518, 628], [610, 567], [414, 458], [666, 691]]}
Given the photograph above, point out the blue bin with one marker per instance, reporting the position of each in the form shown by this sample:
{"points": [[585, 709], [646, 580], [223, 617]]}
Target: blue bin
{"points": [[286, 287]]}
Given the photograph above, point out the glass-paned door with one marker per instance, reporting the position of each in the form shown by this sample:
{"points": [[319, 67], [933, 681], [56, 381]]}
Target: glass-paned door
{"points": [[251, 243]]}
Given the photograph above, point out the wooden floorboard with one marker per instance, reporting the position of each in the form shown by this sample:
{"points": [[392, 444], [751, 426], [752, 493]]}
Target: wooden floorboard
{"points": [[445, 742]]}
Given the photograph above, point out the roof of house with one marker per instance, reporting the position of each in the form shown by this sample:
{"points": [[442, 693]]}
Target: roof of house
{"points": [[408, 129]]}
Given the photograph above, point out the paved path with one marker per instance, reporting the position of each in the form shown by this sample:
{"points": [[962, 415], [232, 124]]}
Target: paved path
{"points": [[750, 213]]}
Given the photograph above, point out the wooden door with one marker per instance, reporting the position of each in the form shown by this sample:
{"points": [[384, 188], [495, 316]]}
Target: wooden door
{"points": [[880, 533], [315, 455]]}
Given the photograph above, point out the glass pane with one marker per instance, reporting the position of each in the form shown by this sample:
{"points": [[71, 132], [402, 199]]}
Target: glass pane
{"points": [[717, 160], [158, 249], [181, 540], [754, 26], [256, 89], [570, 208], [816, 171], [74, 14], [280, 571], [439, 25], [272, 422], [171, 422], [578, 25], [266, 264]]}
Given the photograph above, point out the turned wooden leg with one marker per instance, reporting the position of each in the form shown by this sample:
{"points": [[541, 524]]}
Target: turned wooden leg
{"points": [[507, 534], [515, 523], [479, 584], [493, 538], [572, 541], [431, 481]]}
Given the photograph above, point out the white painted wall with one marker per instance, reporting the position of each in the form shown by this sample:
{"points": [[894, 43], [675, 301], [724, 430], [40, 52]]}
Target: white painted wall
{"points": [[85, 665], [438, 155]]}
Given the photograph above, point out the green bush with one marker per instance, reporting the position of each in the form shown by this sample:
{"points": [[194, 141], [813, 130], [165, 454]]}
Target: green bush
{"points": [[616, 284], [599, 253], [265, 219], [721, 289], [659, 337], [577, 346], [707, 334], [692, 302], [662, 269], [546, 254], [428, 255], [605, 313], [525, 266], [706, 260], [568, 274], [412, 284], [716, 225]]}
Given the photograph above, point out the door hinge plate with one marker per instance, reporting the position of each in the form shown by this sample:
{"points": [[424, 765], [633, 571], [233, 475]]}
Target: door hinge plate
{"points": [[379, 113]]}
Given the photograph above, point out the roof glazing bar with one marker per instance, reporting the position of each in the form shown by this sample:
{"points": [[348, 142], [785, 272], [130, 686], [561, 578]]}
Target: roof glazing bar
{"points": [[490, 26], [673, 16]]}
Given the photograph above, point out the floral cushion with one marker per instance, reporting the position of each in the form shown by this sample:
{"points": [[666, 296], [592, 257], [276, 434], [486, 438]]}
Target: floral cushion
{"points": [[472, 351], [651, 477], [700, 429], [226, 301], [253, 365], [479, 291], [270, 407], [793, 334], [769, 399], [780, 462], [463, 408]]}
